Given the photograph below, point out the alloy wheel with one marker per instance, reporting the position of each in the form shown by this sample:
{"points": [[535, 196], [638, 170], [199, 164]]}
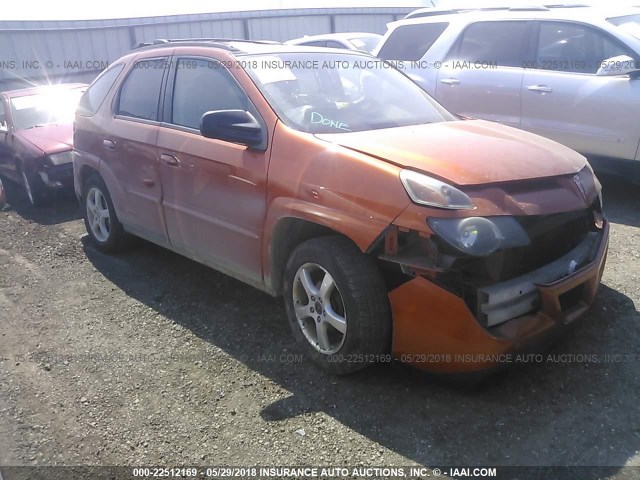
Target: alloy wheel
{"points": [[98, 214], [319, 308]]}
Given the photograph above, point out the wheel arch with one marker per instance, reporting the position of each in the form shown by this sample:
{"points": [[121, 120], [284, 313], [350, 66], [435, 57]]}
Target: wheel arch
{"points": [[287, 234], [84, 172], [290, 222]]}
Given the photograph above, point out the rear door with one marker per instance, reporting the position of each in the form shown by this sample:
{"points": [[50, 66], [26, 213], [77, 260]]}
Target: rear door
{"points": [[214, 191], [482, 76], [129, 148], [563, 99]]}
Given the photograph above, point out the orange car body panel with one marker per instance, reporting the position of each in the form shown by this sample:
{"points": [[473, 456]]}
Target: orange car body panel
{"points": [[465, 152], [434, 330]]}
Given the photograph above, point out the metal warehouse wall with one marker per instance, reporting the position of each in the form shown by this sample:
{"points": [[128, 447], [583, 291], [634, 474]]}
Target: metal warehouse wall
{"points": [[35, 52]]}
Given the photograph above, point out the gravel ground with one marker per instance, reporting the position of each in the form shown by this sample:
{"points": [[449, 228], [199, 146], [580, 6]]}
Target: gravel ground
{"points": [[149, 358]]}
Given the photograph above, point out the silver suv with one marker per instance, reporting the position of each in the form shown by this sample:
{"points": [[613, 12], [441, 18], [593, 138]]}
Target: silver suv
{"points": [[565, 73]]}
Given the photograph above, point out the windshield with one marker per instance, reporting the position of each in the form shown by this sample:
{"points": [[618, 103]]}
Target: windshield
{"points": [[333, 93], [630, 23], [366, 44], [55, 106]]}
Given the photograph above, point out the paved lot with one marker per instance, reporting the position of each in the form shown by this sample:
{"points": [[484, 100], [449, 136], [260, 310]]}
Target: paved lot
{"points": [[149, 358]]}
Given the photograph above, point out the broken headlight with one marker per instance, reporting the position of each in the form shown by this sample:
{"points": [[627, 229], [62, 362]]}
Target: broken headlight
{"points": [[61, 158], [480, 236], [425, 190]]}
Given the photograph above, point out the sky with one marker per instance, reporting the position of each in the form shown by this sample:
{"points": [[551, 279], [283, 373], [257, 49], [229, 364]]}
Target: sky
{"points": [[87, 9]]}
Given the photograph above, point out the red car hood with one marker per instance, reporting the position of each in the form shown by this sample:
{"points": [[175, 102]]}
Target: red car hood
{"points": [[50, 138], [465, 152]]}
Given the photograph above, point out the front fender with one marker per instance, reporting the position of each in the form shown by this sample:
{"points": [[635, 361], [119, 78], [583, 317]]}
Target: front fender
{"points": [[357, 225]]}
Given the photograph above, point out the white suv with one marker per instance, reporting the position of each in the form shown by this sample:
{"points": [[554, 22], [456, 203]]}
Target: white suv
{"points": [[565, 73]]}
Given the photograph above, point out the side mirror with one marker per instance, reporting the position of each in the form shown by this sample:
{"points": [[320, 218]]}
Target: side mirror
{"points": [[237, 126], [620, 65]]}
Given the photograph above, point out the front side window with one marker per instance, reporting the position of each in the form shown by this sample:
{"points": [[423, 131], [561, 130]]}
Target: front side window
{"points": [[97, 92], [336, 92], [140, 93], [52, 106], [494, 43], [411, 42], [572, 47], [203, 86]]}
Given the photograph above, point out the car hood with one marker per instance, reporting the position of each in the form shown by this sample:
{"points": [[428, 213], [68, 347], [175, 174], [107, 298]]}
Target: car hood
{"points": [[49, 139], [469, 152]]}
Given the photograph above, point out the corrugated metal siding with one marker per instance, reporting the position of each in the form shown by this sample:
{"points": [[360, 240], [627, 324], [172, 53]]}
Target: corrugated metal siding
{"points": [[363, 23], [28, 56], [286, 28], [215, 29], [54, 51]]}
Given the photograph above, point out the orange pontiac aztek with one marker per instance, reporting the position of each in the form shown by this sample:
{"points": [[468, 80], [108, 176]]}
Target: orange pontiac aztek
{"points": [[392, 228]]}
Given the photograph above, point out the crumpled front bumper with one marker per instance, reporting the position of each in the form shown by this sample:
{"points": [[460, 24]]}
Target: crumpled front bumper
{"points": [[56, 176], [433, 329]]}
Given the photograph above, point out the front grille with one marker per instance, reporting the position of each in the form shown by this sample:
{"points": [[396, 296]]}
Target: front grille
{"points": [[552, 237], [60, 173]]}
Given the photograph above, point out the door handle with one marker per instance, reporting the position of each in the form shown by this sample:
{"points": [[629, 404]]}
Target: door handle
{"points": [[539, 88], [170, 160], [450, 81], [109, 144]]}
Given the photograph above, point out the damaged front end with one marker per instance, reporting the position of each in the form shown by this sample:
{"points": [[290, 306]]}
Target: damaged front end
{"points": [[498, 280], [55, 170]]}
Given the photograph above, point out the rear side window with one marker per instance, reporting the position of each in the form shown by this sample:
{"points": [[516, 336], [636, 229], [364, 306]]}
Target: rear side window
{"points": [[315, 43], [97, 92], [334, 44], [496, 43], [411, 42], [140, 92], [571, 47], [202, 86]]}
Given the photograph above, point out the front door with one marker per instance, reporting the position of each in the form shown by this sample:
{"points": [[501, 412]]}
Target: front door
{"points": [[214, 191]]}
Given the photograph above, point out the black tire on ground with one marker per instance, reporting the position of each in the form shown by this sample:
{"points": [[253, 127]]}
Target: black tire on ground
{"points": [[363, 296], [34, 187], [117, 239]]}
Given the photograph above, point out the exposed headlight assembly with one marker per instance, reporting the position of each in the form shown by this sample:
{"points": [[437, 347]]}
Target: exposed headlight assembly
{"points": [[425, 190], [480, 236], [61, 158]]}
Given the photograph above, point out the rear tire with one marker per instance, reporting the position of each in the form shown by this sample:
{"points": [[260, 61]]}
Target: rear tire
{"points": [[337, 305], [100, 219]]}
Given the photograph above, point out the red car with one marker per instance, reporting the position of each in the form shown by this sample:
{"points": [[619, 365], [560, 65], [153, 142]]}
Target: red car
{"points": [[36, 137]]}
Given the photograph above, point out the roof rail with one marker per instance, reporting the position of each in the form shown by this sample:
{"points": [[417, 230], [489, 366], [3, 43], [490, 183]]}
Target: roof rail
{"points": [[222, 42], [431, 12], [539, 8]]}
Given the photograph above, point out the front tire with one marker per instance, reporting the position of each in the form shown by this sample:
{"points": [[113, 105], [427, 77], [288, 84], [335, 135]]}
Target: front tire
{"points": [[337, 305], [100, 218]]}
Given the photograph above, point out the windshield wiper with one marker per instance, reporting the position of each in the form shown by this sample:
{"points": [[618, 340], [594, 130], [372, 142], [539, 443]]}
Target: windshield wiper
{"points": [[42, 125]]}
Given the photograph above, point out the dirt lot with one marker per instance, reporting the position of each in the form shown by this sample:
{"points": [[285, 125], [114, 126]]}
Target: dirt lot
{"points": [[149, 358]]}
